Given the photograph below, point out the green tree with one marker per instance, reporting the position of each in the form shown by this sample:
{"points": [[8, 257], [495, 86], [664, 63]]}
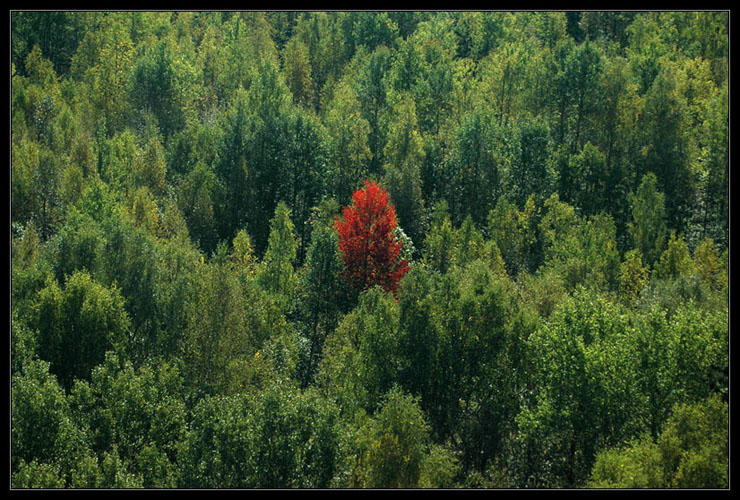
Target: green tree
{"points": [[307, 160], [373, 94], [648, 226], [155, 87], [361, 357], [349, 150], [277, 274], [116, 406], [280, 438], [590, 168], [716, 185], [393, 448], [479, 156], [173, 286], [109, 76], [322, 288], [223, 332], [421, 336], [48, 448], [583, 250], [503, 74], [691, 452], [129, 263], [514, 233], [297, 70], [404, 154], [44, 199], [236, 184], [433, 88], [78, 246], [583, 70], [481, 357], [323, 33], [439, 244], [530, 170], [708, 263], [143, 210], [120, 161], [255, 162], [196, 198], [371, 29], [55, 33], [633, 276], [78, 324], [153, 171], [681, 358], [666, 147], [24, 156], [586, 370], [607, 27], [675, 260]]}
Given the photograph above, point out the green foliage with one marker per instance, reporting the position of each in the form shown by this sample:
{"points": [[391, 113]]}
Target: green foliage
{"points": [[321, 286], [39, 413], [544, 290], [49, 450], [514, 233], [130, 263], [469, 242], [531, 173], [709, 264], [109, 73], [589, 167], [633, 277], [481, 359], [404, 154], [282, 438], [349, 150], [664, 112], [35, 475], [179, 314], [362, 359], [155, 87], [682, 358], [276, 275], [691, 452], [197, 191], [373, 96], [481, 153], [297, 69], [587, 370], [223, 330], [393, 451], [126, 427], [421, 333], [583, 250], [78, 246], [675, 260], [439, 244], [77, 324], [153, 171]]}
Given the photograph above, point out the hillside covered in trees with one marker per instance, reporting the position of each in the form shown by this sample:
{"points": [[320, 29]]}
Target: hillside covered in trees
{"points": [[369, 249]]}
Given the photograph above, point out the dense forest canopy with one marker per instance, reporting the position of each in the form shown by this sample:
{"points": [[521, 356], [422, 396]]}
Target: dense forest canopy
{"points": [[369, 249]]}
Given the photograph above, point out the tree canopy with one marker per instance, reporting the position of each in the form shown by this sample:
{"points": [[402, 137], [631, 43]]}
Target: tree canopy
{"points": [[369, 249]]}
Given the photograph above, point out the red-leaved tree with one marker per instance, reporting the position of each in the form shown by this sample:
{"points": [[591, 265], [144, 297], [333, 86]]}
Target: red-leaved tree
{"points": [[368, 242]]}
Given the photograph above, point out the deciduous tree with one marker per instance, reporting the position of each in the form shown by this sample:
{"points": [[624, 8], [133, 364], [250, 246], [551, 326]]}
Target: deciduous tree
{"points": [[367, 239]]}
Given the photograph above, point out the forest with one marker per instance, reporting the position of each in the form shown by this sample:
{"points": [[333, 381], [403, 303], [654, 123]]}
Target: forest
{"points": [[369, 249]]}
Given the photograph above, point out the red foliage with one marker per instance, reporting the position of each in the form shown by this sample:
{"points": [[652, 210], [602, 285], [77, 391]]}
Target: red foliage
{"points": [[367, 239]]}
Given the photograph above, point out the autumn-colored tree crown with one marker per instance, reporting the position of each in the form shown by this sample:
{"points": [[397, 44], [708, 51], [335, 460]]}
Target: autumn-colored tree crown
{"points": [[367, 239]]}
